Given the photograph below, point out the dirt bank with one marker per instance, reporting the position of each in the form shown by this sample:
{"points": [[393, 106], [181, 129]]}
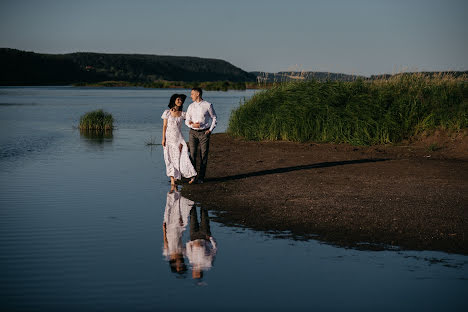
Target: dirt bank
{"points": [[413, 196]]}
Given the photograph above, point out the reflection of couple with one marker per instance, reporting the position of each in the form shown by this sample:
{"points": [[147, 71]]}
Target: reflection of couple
{"points": [[201, 119], [200, 250]]}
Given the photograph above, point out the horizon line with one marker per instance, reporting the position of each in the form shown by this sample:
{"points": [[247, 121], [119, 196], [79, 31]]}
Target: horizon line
{"points": [[403, 70]]}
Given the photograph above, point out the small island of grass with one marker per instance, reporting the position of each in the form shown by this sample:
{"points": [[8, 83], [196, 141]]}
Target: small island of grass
{"points": [[97, 120]]}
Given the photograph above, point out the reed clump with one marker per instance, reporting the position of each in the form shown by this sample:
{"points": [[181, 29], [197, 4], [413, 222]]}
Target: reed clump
{"points": [[360, 112], [97, 120]]}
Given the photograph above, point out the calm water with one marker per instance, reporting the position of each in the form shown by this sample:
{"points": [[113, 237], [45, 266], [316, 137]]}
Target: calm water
{"points": [[81, 226]]}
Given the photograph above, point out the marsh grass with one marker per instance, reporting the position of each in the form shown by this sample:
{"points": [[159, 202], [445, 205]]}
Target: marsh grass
{"points": [[97, 120], [359, 112]]}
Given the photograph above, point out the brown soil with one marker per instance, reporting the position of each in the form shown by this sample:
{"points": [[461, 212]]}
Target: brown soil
{"points": [[411, 196]]}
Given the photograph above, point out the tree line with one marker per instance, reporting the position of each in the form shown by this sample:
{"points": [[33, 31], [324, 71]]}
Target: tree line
{"points": [[29, 68]]}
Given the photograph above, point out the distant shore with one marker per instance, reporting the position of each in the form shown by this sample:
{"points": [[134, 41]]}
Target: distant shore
{"points": [[162, 84], [407, 196]]}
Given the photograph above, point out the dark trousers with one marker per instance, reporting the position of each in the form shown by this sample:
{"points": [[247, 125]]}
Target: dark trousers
{"points": [[196, 139], [199, 230]]}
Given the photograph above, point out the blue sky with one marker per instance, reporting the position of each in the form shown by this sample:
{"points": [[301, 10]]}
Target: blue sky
{"points": [[361, 36]]}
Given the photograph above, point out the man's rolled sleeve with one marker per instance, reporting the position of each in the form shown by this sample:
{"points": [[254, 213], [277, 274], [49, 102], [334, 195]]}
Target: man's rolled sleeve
{"points": [[188, 118], [212, 113]]}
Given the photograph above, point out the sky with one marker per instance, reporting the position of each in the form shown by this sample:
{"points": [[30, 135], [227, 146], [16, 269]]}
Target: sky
{"points": [[362, 37]]}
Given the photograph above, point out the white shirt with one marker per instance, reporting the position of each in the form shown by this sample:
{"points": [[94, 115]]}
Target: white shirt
{"points": [[203, 113], [201, 256]]}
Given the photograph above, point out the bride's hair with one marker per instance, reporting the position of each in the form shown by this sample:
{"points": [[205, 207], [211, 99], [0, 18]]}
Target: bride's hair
{"points": [[174, 97]]}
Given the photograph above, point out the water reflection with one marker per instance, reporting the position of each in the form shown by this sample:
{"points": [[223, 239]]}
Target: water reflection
{"points": [[97, 136], [200, 249], [175, 221]]}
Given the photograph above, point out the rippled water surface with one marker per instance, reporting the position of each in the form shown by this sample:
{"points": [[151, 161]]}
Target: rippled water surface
{"points": [[81, 226]]}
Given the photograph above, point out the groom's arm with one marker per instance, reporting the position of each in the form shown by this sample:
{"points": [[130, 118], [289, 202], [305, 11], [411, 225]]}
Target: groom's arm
{"points": [[212, 113], [188, 117], [188, 120]]}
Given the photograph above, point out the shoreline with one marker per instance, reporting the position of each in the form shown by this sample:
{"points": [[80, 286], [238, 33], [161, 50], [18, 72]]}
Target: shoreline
{"points": [[163, 84], [405, 196]]}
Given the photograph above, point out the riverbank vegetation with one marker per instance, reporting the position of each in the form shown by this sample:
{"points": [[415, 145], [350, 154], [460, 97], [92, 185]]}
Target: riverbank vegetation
{"points": [[207, 85], [360, 112], [97, 120]]}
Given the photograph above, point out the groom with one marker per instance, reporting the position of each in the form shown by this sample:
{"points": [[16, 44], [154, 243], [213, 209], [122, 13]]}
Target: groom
{"points": [[201, 119]]}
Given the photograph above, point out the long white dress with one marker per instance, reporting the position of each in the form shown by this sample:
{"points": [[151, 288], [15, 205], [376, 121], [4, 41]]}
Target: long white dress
{"points": [[176, 218], [178, 163]]}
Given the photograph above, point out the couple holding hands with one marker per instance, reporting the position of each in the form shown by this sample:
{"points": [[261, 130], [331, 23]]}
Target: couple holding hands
{"points": [[201, 119]]}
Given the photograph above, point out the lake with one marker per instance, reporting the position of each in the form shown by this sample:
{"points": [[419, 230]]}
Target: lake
{"points": [[81, 225]]}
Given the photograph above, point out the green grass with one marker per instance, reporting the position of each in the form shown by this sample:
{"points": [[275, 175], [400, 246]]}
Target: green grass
{"points": [[358, 112], [97, 120]]}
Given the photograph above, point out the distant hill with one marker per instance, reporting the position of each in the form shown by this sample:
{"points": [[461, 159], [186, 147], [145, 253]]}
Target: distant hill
{"points": [[29, 68]]}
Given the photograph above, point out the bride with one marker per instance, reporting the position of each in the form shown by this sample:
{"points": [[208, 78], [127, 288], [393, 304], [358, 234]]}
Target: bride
{"points": [[178, 163]]}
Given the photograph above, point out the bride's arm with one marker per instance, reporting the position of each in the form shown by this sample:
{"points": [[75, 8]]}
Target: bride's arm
{"points": [[164, 133]]}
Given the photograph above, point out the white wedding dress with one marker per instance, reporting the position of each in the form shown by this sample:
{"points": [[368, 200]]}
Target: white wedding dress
{"points": [[176, 218], [178, 163]]}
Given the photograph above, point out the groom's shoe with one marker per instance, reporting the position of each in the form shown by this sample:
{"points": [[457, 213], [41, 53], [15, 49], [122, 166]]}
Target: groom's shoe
{"points": [[199, 181]]}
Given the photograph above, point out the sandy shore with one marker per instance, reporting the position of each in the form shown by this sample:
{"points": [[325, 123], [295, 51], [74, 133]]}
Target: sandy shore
{"points": [[412, 196]]}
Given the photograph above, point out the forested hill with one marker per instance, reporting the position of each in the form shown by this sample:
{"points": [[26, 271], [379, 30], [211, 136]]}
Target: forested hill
{"points": [[29, 68]]}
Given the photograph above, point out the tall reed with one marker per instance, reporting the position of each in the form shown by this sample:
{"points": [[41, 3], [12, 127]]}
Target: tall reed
{"points": [[97, 120], [358, 112]]}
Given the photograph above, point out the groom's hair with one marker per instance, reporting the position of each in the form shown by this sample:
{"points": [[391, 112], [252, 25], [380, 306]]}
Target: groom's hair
{"points": [[199, 90]]}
